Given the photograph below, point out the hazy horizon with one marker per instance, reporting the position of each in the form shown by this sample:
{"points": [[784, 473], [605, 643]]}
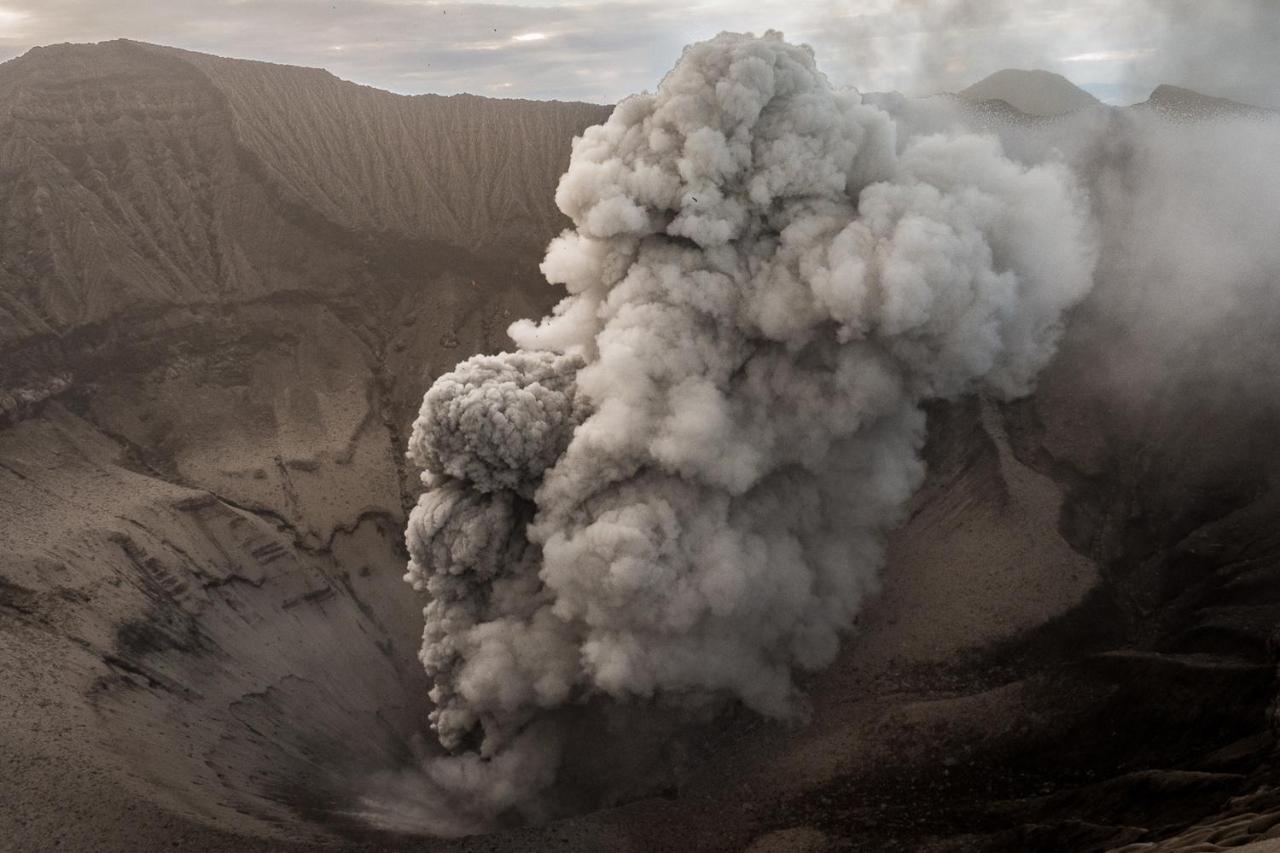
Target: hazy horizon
{"points": [[601, 51]]}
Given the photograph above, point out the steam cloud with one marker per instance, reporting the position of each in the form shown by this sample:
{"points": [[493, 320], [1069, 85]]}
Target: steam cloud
{"points": [[681, 485]]}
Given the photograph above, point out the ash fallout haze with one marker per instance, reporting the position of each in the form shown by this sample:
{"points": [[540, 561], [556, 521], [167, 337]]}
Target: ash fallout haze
{"points": [[626, 427]]}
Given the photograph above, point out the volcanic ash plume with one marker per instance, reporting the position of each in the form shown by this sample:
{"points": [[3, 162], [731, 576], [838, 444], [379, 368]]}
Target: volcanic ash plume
{"points": [[681, 485]]}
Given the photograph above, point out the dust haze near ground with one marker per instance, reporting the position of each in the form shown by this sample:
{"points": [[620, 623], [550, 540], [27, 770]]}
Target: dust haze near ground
{"points": [[215, 337]]}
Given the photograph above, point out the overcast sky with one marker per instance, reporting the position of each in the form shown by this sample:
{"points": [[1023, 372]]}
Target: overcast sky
{"points": [[605, 49]]}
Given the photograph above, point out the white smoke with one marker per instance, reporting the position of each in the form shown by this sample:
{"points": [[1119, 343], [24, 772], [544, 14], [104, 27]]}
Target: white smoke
{"points": [[680, 487]]}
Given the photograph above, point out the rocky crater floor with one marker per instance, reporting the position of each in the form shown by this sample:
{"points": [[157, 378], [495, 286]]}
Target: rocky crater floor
{"points": [[224, 286]]}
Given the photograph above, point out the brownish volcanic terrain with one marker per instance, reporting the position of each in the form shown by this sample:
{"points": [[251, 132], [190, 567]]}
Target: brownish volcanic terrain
{"points": [[224, 286]]}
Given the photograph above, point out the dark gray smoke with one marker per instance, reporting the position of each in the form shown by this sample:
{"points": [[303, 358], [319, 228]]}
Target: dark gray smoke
{"points": [[679, 488]]}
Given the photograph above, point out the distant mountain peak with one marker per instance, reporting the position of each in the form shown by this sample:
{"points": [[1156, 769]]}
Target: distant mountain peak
{"points": [[1035, 92], [1178, 102]]}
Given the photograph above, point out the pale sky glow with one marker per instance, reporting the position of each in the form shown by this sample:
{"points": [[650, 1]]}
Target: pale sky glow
{"points": [[1110, 55], [9, 17], [602, 50]]}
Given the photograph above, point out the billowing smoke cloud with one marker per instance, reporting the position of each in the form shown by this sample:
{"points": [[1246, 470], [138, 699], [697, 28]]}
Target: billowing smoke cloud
{"points": [[487, 433], [679, 488]]}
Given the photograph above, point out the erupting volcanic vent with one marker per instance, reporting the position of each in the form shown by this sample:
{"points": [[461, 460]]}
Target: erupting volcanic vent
{"points": [[680, 486]]}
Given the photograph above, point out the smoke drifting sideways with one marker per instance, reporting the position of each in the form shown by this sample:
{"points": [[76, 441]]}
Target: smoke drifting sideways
{"points": [[1185, 302], [678, 489]]}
